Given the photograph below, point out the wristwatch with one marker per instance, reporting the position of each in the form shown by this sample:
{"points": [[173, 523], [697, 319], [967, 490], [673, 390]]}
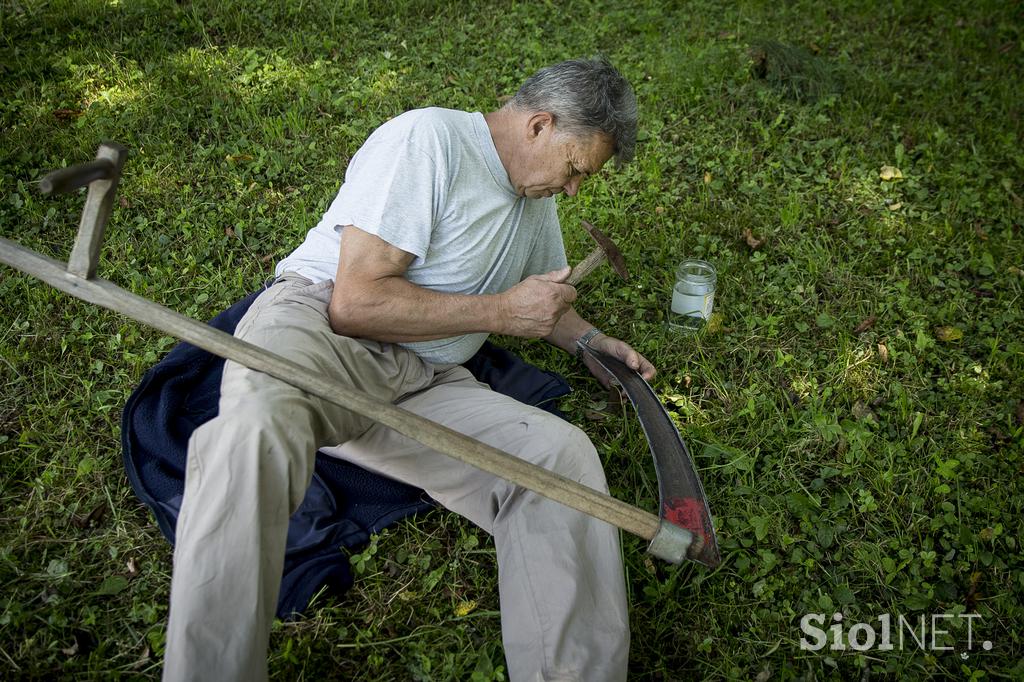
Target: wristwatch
{"points": [[585, 339]]}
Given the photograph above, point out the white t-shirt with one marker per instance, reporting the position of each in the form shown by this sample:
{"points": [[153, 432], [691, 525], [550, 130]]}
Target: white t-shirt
{"points": [[430, 183]]}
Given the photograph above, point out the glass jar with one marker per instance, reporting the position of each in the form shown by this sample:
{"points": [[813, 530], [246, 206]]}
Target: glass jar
{"points": [[693, 296]]}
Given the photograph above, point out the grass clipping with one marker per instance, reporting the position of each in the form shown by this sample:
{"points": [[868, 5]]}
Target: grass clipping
{"points": [[794, 71]]}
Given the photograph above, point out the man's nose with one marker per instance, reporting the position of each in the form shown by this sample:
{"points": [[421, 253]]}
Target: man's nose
{"points": [[573, 186]]}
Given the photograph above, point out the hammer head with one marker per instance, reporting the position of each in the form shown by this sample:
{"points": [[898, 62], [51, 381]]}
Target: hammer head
{"points": [[610, 250]]}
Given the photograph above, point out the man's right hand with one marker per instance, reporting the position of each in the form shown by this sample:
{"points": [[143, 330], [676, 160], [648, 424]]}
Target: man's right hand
{"points": [[533, 307]]}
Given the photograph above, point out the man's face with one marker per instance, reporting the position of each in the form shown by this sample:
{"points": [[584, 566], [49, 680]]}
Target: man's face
{"points": [[558, 162]]}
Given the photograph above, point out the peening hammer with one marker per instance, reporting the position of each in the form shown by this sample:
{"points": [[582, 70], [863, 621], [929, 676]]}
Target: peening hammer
{"points": [[606, 250]]}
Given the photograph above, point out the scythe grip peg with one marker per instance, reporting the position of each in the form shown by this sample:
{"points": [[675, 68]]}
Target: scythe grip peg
{"points": [[101, 176]]}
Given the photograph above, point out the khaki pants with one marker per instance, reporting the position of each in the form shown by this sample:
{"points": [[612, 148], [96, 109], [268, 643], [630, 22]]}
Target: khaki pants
{"points": [[561, 587]]}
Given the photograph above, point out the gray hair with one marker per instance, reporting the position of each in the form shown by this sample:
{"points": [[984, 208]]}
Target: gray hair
{"points": [[585, 96]]}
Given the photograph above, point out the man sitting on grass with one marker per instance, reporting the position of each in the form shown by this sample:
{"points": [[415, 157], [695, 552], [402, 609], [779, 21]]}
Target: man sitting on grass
{"points": [[444, 231]]}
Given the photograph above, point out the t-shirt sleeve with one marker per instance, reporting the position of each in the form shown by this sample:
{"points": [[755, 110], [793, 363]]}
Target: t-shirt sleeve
{"points": [[392, 189]]}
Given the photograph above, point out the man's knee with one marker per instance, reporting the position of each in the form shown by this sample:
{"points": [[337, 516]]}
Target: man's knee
{"points": [[257, 449], [566, 450]]}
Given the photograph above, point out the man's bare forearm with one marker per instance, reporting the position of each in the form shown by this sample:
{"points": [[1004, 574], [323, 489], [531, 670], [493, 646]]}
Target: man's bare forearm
{"points": [[393, 310], [372, 299]]}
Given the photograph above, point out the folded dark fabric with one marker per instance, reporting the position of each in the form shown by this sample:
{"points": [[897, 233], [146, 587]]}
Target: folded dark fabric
{"points": [[344, 503]]}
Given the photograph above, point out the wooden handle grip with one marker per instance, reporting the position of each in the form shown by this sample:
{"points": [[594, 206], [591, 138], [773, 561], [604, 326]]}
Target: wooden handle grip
{"points": [[586, 266]]}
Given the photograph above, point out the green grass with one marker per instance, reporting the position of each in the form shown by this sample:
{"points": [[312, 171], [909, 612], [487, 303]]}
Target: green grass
{"points": [[869, 472]]}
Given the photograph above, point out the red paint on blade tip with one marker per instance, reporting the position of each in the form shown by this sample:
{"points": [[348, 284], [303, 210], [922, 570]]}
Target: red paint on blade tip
{"points": [[689, 513]]}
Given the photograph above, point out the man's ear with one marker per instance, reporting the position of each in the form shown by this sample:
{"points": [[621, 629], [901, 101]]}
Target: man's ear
{"points": [[537, 123]]}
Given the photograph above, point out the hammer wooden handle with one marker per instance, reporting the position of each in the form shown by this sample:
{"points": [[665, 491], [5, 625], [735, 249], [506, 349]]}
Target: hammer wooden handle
{"points": [[586, 266]]}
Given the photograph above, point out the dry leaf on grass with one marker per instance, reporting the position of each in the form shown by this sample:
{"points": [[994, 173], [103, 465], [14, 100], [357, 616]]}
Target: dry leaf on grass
{"points": [[91, 519], [143, 659], [890, 173], [753, 242], [866, 324], [66, 114], [861, 411]]}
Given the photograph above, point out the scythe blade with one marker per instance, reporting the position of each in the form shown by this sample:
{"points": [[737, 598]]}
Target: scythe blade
{"points": [[683, 502]]}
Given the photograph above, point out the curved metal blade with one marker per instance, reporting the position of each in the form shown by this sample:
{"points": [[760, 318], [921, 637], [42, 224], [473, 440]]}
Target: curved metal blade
{"points": [[683, 502]]}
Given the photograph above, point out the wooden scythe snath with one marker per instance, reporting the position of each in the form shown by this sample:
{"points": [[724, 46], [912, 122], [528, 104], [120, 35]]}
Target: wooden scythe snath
{"points": [[668, 540]]}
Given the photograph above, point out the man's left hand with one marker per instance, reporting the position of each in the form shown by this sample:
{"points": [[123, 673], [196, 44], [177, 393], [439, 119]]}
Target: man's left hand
{"points": [[624, 352]]}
